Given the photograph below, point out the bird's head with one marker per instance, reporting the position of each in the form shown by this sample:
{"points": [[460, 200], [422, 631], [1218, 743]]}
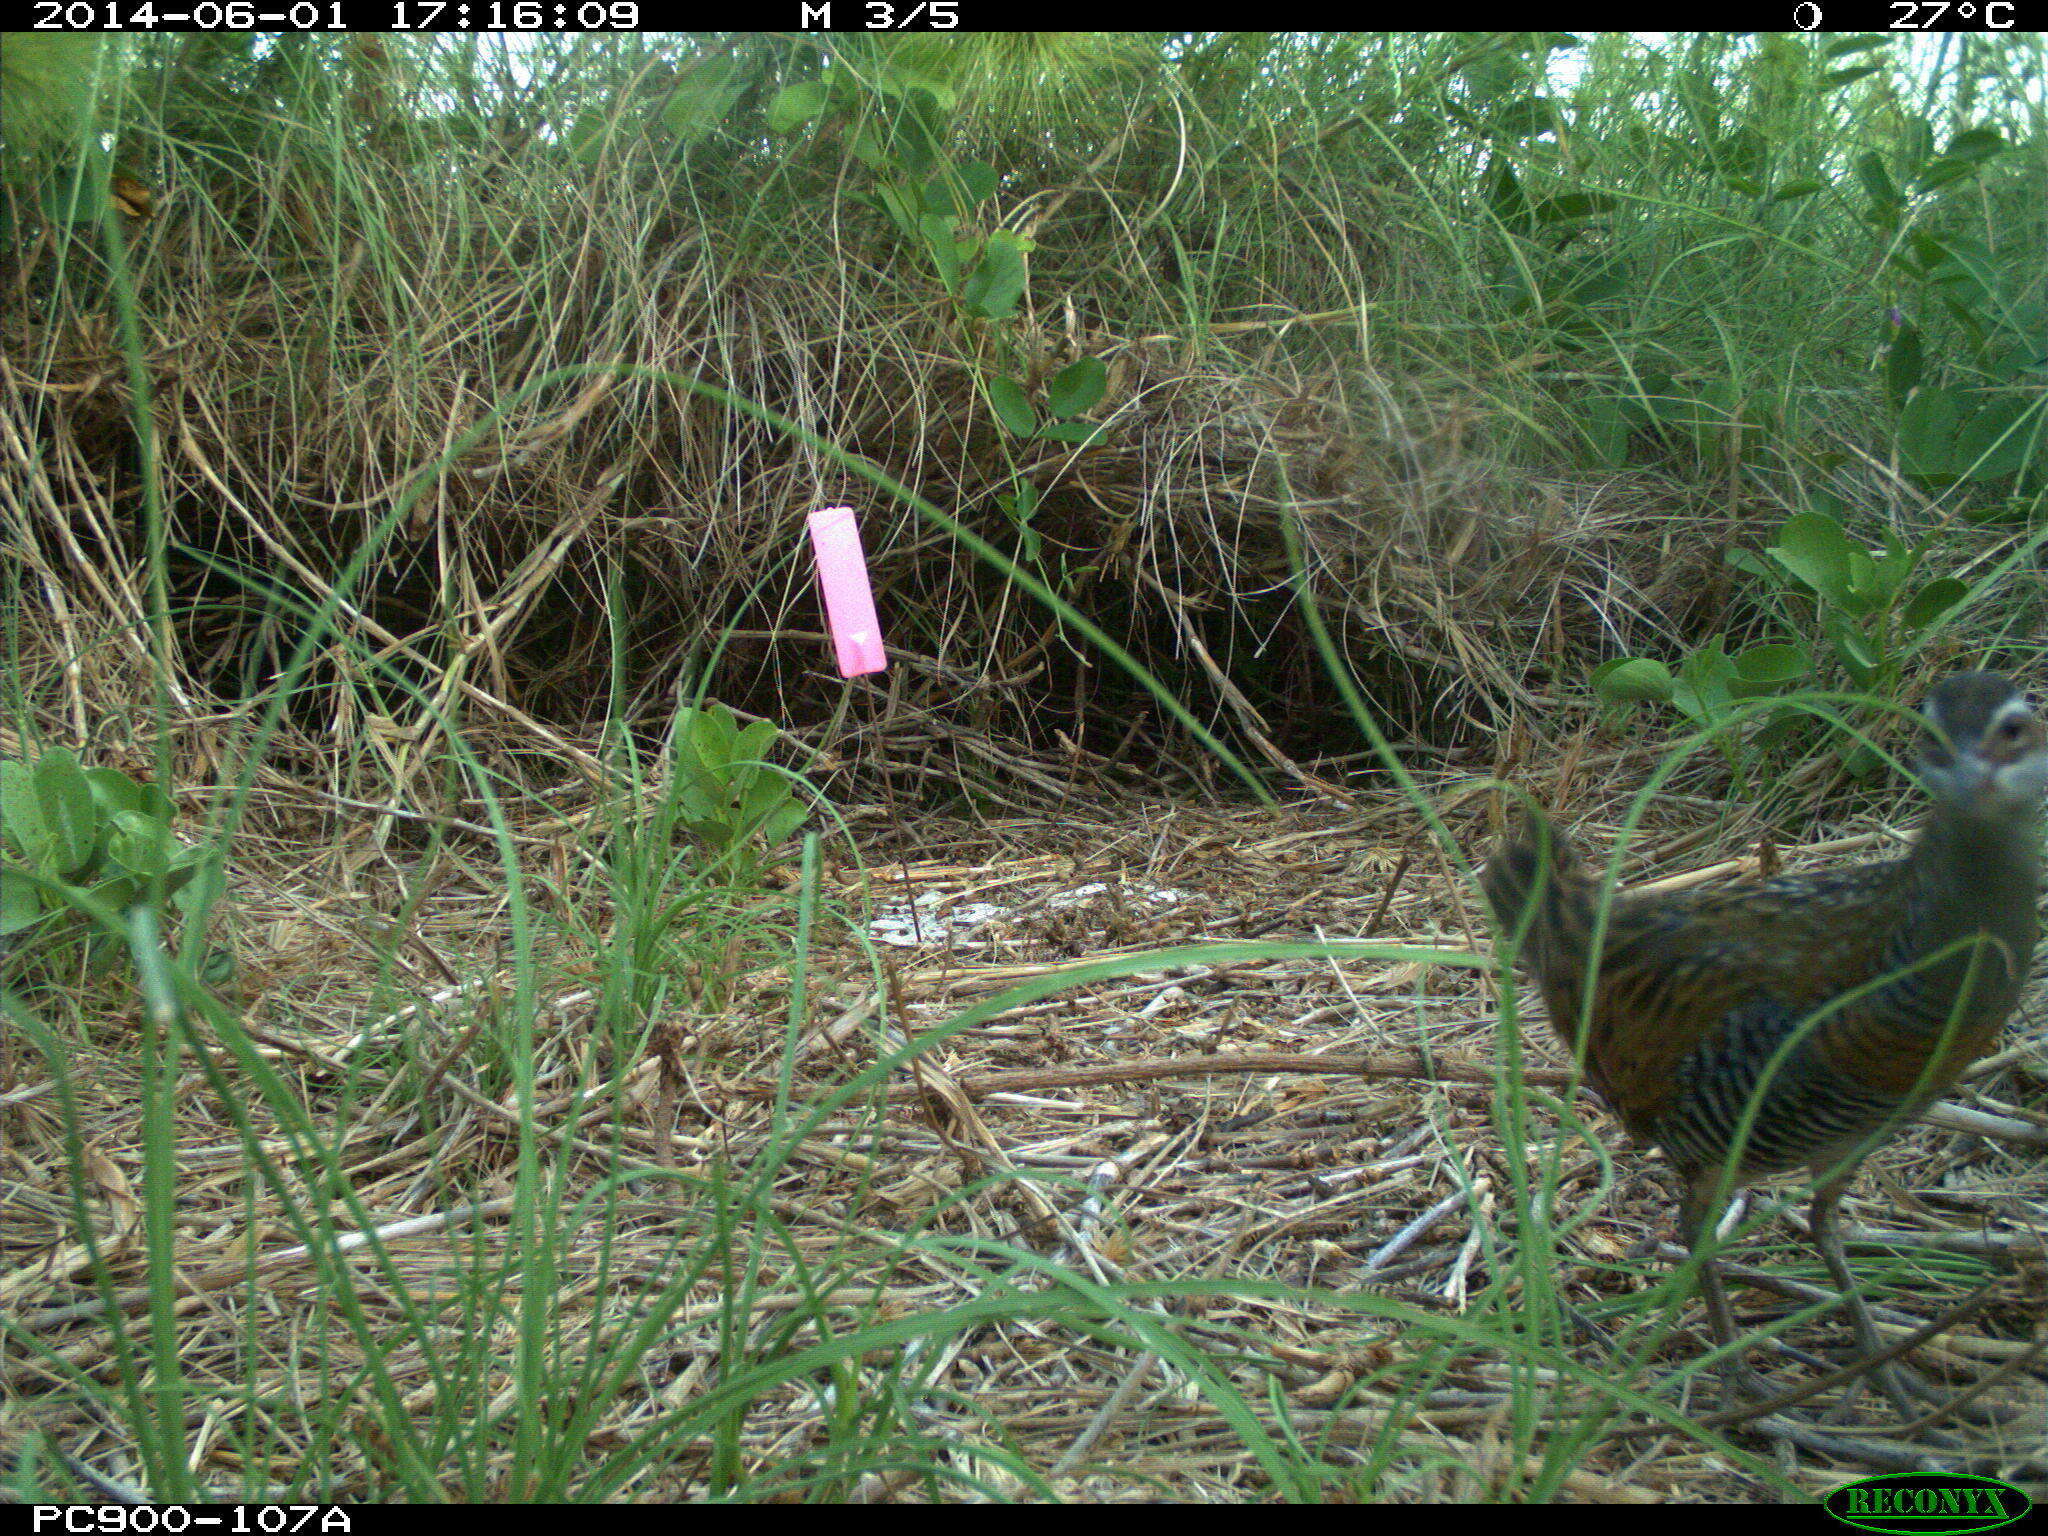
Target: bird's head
{"points": [[1983, 746]]}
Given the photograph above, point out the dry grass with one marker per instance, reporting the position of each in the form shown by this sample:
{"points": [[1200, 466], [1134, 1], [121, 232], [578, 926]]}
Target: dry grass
{"points": [[383, 477], [1279, 1144]]}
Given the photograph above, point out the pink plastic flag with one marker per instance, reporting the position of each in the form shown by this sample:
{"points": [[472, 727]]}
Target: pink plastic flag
{"points": [[849, 600]]}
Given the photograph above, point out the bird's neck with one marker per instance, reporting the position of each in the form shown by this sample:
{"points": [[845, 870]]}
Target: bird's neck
{"points": [[1973, 877], [1985, 870]]}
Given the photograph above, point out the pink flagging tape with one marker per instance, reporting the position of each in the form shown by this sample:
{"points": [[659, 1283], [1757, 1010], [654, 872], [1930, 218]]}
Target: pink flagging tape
{"points": [[849, 600]]}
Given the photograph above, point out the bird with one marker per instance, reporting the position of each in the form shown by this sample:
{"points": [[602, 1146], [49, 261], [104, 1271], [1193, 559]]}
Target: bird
{"points": [[1796, 1022]]}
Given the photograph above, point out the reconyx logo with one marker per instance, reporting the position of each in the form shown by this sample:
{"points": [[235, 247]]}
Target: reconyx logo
{"points": [[1922, 1502]]}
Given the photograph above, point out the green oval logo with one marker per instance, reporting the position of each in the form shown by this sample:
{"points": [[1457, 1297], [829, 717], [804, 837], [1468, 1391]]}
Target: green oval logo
{"points": [[1913, 1503]]}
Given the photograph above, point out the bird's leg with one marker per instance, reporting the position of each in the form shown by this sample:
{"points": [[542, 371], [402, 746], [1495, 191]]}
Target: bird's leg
{"points": [[1906, 1393], [1698, 1215]]}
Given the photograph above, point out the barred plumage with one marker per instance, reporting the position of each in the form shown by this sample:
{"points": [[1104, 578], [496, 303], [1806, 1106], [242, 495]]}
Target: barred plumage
{"points": [[1870, 988]]}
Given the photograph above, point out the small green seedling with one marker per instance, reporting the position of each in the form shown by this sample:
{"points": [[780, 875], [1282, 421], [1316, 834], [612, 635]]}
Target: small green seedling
{"points": [[94, 831], [730, 799]]}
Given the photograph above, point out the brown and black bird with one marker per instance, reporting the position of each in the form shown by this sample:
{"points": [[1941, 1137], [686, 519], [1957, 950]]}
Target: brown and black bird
{"points": [[1796, 1022]]}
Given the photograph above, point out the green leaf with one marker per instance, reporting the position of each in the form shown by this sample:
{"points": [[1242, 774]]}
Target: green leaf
{"points": [[794, 105], [902, 80], [998, 280], [20, 816], [1993, 439], [704, 97], [1566, 207], [784, 823], [1852, 648], [1904, 363], [1631, 680], [1939, 173], [939, 239], [752, 744], [140, 845], [1705, 702], [217, 968], [1749, 564], [586, 137], [978, 181], [1975, 144], [1742, 152], [868, 148], [1932, 601], [1798, 188], [1710, 664], [1077, 387], [1963, 266], [913, 141], [766, 795], [1006, 396], [1814, 549], [1085, 434], [1893, 565], [64, 796], [708, 735], [1927, 435], [117, 891], [2014, 362], [1020, 505], [1877, 182], [699, 792], [962, 186], [21, 902], [1510, 203], [714, 831], [1761, 668], [727, 725], [1866, 593], [113, 790], [905, 209], [1917, 146]]}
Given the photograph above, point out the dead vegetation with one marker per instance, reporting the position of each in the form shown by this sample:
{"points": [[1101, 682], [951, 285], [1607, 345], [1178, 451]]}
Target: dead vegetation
{"points": [[1282, 1142], [505, 1166]]}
